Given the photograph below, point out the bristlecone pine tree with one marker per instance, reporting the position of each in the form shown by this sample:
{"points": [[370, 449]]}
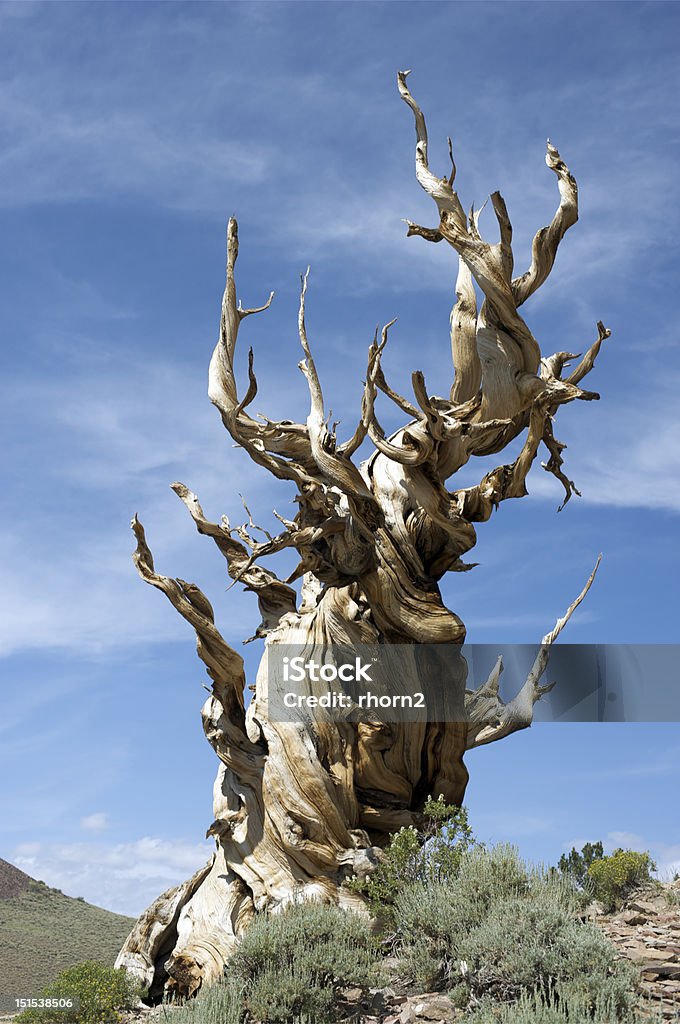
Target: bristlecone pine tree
{"points": [[299, 807]]}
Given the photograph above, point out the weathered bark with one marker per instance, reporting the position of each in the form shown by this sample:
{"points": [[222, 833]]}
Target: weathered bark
{"points": [[298, 807]]}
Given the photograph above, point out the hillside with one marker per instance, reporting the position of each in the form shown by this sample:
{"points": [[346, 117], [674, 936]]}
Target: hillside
{"points": [[42, 931]]}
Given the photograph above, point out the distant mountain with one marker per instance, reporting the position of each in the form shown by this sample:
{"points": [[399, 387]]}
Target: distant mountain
{"points": [[42, 932], [12, 880]]}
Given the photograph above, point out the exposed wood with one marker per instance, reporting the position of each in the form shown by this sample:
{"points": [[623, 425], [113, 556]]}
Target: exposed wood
{"points": [[300, 806]]}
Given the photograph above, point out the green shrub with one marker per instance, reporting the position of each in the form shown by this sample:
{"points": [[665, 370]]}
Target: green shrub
{"points": [[220, 1004], [614, 877], [288, 967], [101, 990], [434, 919], [500, 929], [326, 941], [557, 1007], [576, 864], [428, 855], [277, 995], [538, 941], [672, 897]]}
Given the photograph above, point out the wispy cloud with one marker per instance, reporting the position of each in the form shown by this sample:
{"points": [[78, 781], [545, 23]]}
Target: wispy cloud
{"points": [[311, 156], [659, 763], [108, 455], [636, 461], [96, 822], [125, 877]]}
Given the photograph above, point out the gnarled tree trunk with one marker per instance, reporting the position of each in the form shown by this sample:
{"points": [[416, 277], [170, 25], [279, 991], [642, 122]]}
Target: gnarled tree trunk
{"points": [[299, 806]]}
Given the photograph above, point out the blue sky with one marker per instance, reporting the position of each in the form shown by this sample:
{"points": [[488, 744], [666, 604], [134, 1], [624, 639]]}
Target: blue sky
{"points": [[130, 132]]}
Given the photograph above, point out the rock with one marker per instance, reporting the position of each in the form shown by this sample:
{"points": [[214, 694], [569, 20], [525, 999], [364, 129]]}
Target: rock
{"points": [[643, 954], [667, 970], [644, 907], [646, 933], [432, 1006], [437, 1008], [631, 917], [387, 993], [352, 995], [379, 998]]}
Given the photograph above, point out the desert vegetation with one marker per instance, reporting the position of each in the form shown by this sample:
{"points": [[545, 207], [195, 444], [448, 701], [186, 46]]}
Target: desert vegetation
{"points": [[500, 939], [462, 931]]}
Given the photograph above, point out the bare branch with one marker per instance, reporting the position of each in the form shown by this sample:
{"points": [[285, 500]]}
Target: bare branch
{"points": [[418, 439], [275, 598], [308, 366], [476, 504], [265, 443], [550, 637], [504, 719], [243, 313], [588, 361], [332, 463], [382, 385], [547, 240], [252, 386], [491, 265], [432, 418], [552, 366], [554, 465], [429, 234], [441, 189], [368, 398], [505, 228], [253, 525], [224, 665]]}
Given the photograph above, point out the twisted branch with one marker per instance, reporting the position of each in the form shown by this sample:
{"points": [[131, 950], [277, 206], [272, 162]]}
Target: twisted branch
{"points": [[490, 719]]}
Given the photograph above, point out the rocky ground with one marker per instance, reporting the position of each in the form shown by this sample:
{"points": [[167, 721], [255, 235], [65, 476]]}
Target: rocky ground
{"points": [[646, 932]]}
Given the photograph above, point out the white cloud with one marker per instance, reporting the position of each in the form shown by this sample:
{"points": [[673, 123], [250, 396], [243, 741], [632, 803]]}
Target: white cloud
{"points": [[625, 840], [96, 822], [54, 154], [635, 462], [107, 455], [125, 878]]}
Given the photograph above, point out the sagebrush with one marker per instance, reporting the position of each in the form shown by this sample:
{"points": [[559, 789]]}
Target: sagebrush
{"points": [[500, 929], [290, 966]]}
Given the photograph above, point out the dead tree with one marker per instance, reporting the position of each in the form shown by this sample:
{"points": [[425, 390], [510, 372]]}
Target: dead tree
{"points": [[299, 807]]}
